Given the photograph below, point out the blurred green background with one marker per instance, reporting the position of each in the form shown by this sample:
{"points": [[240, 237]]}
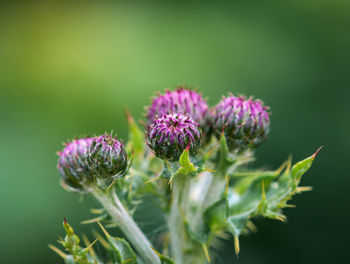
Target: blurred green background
{"points": [[68, 69]]}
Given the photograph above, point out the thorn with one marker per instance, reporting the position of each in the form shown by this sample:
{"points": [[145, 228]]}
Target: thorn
{"points": [[237, 249], [282, 167], [212, 149], [209, 170], [89, 221], [101, 239], [110, 186], [281, 218], [263, 194], [252, 227], [103, 229], [156, 251], [205, 249], [96, 211], [304, 189], [227, 179], [289, 163], [315, 154], [57, 251], [289, 206], [171, 181], [89, 245], [152, 179]]}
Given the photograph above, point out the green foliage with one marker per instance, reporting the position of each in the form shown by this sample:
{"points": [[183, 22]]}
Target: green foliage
{"points": [[122, 252], [77, 254], [199, 198]]}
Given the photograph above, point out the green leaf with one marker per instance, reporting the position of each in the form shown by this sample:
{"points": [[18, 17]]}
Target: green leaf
{"points": [[121, 248], [281, 191], [123, 251], [186, 165], [237, 223], [216, 215], [200, 236], [166, 260], [225, 161], [243, 184], [303, 166], [136, 136]]}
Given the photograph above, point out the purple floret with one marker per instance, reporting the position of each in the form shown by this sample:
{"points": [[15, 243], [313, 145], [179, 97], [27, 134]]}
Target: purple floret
{"points": [[170, 134], [179, 101], [245, 122]]}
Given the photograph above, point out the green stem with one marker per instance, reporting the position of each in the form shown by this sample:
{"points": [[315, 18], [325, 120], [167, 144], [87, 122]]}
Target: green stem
{"points": [[176, 228], [130, 229], [215, 190]]}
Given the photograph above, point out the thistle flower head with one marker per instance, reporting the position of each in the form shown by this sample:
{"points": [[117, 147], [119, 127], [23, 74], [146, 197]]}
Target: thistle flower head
{"points": [[245, 122], [72, 164], [180, 101], [170, 134], [107, 156]]}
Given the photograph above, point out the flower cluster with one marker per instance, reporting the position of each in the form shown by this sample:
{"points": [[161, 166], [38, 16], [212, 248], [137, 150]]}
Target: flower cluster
{"points": [[85, 160], [176, 120], [245, 122], [193, 189]]}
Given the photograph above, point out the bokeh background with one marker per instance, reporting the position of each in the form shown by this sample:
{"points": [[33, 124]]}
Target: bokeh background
{"points": [[69, 68]]}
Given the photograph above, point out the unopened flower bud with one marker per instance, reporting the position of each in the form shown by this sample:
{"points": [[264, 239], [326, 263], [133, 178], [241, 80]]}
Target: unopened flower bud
{"points": [[245, 122], [107, 156], [169, 135], [72, 164], [180, 101]]}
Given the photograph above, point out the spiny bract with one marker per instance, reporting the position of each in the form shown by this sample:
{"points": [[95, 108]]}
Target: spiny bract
{"points": [[245, 122], [169, 135]]}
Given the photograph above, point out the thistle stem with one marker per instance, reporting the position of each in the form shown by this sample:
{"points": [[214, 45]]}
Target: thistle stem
{"points": [[215, 190], [128, 226], [176, 227]]}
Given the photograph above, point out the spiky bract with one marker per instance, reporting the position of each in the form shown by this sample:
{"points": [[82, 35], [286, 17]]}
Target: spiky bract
{"points": [[169, 135], [107, 156], [245, 122], [73, 166], [180, 101]]}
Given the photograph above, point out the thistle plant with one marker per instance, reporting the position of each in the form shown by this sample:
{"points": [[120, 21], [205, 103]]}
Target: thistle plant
{"points": [[192, 163]]}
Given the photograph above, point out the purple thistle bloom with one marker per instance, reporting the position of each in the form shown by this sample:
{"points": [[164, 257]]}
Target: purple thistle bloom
{"points": [[107, 156], [181, 101], [169, 135], [245, 122], [72, 164]]}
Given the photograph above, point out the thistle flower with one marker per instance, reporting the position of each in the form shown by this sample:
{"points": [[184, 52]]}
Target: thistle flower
{"points": [[72, 164], [169, 135], [245, 122], [181, 101], [107, 156]]}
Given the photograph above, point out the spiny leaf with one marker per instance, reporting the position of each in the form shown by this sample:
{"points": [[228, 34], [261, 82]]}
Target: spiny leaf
{"points": [[123, 252], [216, 215], [303, 166]]}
